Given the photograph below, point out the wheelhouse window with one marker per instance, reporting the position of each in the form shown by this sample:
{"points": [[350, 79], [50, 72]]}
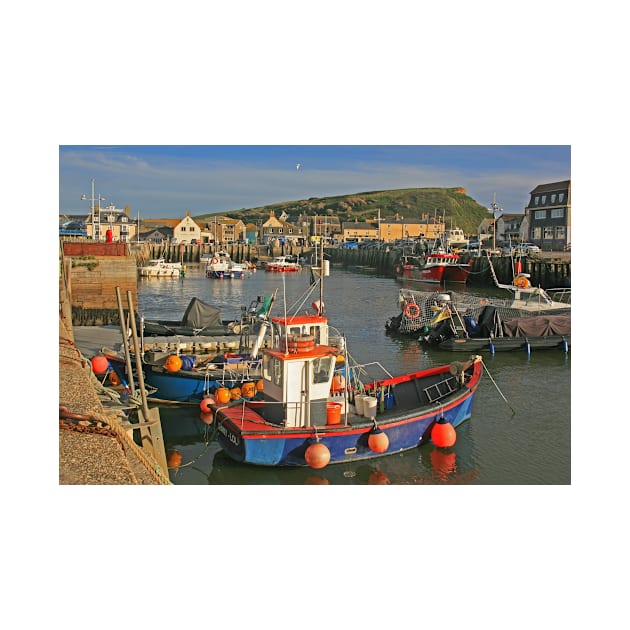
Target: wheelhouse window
{"points": [[322, 369], [272, 370]]}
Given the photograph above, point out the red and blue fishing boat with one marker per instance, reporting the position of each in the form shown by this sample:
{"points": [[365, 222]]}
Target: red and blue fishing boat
{"points": [[314, 406]]}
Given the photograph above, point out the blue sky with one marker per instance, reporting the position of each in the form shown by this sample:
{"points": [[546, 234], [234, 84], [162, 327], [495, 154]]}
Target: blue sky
{"points": [[169, 180]]}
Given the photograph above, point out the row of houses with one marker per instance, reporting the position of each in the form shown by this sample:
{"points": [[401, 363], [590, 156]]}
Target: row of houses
{"points": [[546, 222]]}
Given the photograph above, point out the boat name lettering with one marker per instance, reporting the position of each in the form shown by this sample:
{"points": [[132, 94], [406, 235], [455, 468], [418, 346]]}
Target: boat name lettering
{"points": [[228, 434]]}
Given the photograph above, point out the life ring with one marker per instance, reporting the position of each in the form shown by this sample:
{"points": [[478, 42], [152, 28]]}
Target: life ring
{"points": [[412, 310], [521, 282], [214, 261]]}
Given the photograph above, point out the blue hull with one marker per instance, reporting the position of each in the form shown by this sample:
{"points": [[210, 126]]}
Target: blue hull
{"points": [[288, 448]]}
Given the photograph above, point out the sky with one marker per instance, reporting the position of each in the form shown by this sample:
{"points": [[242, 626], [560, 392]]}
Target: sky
{"points": [[166, 181]]}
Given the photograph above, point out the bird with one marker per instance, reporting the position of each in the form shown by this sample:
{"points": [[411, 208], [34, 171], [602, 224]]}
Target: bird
{"points": [[297, 166]]}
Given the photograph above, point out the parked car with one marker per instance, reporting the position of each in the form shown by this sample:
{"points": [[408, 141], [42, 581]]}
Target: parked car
{"points": [[524, 249]]}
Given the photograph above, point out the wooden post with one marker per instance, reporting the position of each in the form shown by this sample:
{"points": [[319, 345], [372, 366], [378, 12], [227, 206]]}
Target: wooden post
{"points": [[153, 440]]}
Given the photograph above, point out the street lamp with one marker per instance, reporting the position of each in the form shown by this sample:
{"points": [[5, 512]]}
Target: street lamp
{"points": [[92, 207], [494, 208]]}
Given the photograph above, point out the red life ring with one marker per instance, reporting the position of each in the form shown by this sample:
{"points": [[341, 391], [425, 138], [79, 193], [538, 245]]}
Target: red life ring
{"points": [[521, 282], [214, 261], [412, 310]]}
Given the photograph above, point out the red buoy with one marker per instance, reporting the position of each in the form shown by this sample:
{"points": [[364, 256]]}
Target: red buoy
{"points": [[100, 364], [378, 441], [443, 433], [317, 455], [207, 417], [206, 404]]}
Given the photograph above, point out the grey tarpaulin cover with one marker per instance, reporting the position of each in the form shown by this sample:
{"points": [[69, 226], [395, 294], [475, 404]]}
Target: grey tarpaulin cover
{"points": [[541, 326], [202, 315]]}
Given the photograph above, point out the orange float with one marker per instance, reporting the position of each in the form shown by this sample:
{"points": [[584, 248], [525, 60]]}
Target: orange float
{"points": [[100, 364], [443, 433], [173, 459], [378, 441], [235, 393], [222, 395], [248, 390], [260, 385], [317, 455], [114, 379], [173, 363], [206, 404]]}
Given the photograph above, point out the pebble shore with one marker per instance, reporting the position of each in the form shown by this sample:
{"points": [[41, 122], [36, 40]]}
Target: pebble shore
{"points": [[94, 449]]}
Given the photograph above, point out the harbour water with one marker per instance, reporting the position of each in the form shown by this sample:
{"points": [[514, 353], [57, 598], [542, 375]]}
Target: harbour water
{"points": [[519, 433]]}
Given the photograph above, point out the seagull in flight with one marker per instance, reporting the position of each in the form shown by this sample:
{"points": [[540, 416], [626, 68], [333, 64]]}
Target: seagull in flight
{"points": [[297, 166]]}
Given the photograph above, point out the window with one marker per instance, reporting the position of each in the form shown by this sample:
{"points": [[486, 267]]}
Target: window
{"points": [[322, 368], [536, 200], [560, 232], [536, 233], [543, 201], [553, 198], [560, 197], [540, 214], [548, 232], [124, 219], [557, 213]]}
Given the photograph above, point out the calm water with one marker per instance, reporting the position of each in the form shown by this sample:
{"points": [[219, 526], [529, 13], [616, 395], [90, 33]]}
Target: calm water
{"points": [[526, 440]]}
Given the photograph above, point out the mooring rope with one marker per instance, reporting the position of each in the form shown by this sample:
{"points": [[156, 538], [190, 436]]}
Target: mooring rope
{"points": [[485, 367]]}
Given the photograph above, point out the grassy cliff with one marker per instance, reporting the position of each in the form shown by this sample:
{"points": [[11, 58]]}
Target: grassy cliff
{"points": [[458, 208]]}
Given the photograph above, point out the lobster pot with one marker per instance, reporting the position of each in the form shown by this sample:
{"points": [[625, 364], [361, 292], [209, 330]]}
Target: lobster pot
{"points": [[369, 406]]}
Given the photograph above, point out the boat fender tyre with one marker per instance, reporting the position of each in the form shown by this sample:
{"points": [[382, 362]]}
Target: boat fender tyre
{"points": [[412, 310]]}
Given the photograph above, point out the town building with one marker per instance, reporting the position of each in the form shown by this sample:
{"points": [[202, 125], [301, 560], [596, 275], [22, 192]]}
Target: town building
{"points": [[358, 231], [549, 216], [111, 224], [276, 231]]}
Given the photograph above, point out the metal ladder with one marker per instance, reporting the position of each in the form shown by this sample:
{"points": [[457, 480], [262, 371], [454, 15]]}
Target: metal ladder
{"points": [[439, 390]]}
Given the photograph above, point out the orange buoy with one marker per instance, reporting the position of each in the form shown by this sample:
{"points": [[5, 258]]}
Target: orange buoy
{"points": [[260, 385], [173, 363], [114, 379], [317, 455], [207, 417], [443, 433], [339, 359], [378, 441], [235, 393], [248, 390], [223, 395], [173, 459], [206, 404], [338, 383], [100, 364]]}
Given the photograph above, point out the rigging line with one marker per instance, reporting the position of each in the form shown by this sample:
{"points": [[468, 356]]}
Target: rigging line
{"points": [[485, 367]]}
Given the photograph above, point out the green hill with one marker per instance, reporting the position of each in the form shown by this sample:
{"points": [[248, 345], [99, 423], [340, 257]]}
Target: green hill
{"points": [[458, 209]]}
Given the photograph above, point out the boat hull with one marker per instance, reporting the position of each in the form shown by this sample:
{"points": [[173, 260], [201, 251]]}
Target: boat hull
{"points": [[247, 437], [345, 444], [506, 344]]}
